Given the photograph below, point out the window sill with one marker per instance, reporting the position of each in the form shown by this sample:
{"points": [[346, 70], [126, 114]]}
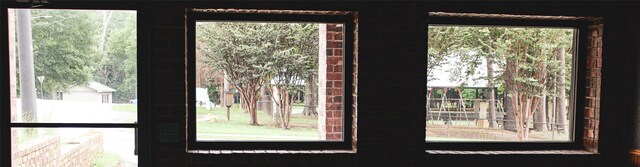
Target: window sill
{"points": [[532, 152], [271, 151]]}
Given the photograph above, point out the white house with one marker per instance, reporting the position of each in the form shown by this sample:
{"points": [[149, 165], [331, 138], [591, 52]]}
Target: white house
{"points": [[93, 93]]}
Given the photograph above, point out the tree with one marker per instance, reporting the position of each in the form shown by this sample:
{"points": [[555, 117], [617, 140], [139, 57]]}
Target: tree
{"points": [[561, 99], [65, 49], [279, 56], [292, 63], [443, 41], [531, 54], [240, 50], [118, 61], [307, 39], [527, 55], [471, 45]]}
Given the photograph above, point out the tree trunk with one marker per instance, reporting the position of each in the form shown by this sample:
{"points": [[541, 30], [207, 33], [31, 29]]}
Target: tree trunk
{"points": [[561, 104], [225, 87], [27, 72], [540, 117], [491, 94], [106, 17], [510, 117], [250, 93], [310, 96], [250, 96]]}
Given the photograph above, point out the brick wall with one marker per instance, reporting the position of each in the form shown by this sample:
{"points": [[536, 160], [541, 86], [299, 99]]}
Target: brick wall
{"points": [[49, 152], [42, 152], [83, 153], [593, 80], [330, 112]]}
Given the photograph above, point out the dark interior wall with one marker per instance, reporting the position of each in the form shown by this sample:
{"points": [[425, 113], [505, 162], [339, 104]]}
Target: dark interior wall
{"points": [[391, 99]]}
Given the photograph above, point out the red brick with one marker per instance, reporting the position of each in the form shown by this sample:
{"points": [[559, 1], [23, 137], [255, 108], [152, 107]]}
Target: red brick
{"points": [[337, 128], [334, 60], [329, 99], [337, 84], [588, 133], [338, 51], [334, 91], [330, 68], [334, 106], [334, 76], [330, 35], [329, 84], [337, 68], [337, 99], [337, 36], [329, 129], [337, 114], [334, 27], [334, 44], [588, 112], [329, 52]]}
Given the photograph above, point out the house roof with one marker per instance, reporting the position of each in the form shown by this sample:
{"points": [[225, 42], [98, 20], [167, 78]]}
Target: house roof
{"points": [[100, 87]]}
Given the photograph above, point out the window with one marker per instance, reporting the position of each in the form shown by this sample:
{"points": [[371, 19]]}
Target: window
{"points": [[269, 81], [512, 82], [85, 56]]}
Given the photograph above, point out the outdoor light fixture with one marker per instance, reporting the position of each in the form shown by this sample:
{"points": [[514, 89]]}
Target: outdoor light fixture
{"points": [[228, 96]]}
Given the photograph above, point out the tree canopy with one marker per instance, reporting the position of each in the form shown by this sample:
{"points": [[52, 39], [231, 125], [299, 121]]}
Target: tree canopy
{"points": [[64, 44], [69, 51], [254, 55]]}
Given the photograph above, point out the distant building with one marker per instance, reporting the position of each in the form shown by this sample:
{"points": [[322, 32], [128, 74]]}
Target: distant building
{"points": [[93, 93]]}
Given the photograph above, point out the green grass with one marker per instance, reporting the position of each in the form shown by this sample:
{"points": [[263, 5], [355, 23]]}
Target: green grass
{"points": [[125, 107], [106, 159], [303, 126]]}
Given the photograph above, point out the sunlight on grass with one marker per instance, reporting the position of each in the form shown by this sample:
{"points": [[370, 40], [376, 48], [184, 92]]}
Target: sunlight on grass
{"points": [[238, 128], [106, 159], [125, 107]]}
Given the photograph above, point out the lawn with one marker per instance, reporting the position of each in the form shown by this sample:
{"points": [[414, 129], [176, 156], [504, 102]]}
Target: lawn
{"points": [[125, 107], [238, 128], [302, 127]]}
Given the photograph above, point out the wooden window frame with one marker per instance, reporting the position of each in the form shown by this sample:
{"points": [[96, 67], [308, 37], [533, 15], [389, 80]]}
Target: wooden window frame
{"points": [[345, 18], [579, 76]]}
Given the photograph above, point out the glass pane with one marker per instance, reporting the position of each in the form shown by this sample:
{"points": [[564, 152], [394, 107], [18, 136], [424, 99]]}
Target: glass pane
{"points": [[73, 147], [499, 84], [266, 81], [73, 66]]}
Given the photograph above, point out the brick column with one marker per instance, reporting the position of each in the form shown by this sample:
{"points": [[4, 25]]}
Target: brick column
{"points": [[592, 103], [330, 82]]}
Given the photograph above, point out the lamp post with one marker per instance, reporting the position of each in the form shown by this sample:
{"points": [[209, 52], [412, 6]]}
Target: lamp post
{"points": [[41, 79], [228, 97]]}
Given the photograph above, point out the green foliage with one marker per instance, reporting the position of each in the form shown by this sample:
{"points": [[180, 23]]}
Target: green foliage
{"points": [[259, 54], [64, 47], [531, 47], [125, 107], [117, 67], [214, 92], [66, 50], [106, 159]]}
